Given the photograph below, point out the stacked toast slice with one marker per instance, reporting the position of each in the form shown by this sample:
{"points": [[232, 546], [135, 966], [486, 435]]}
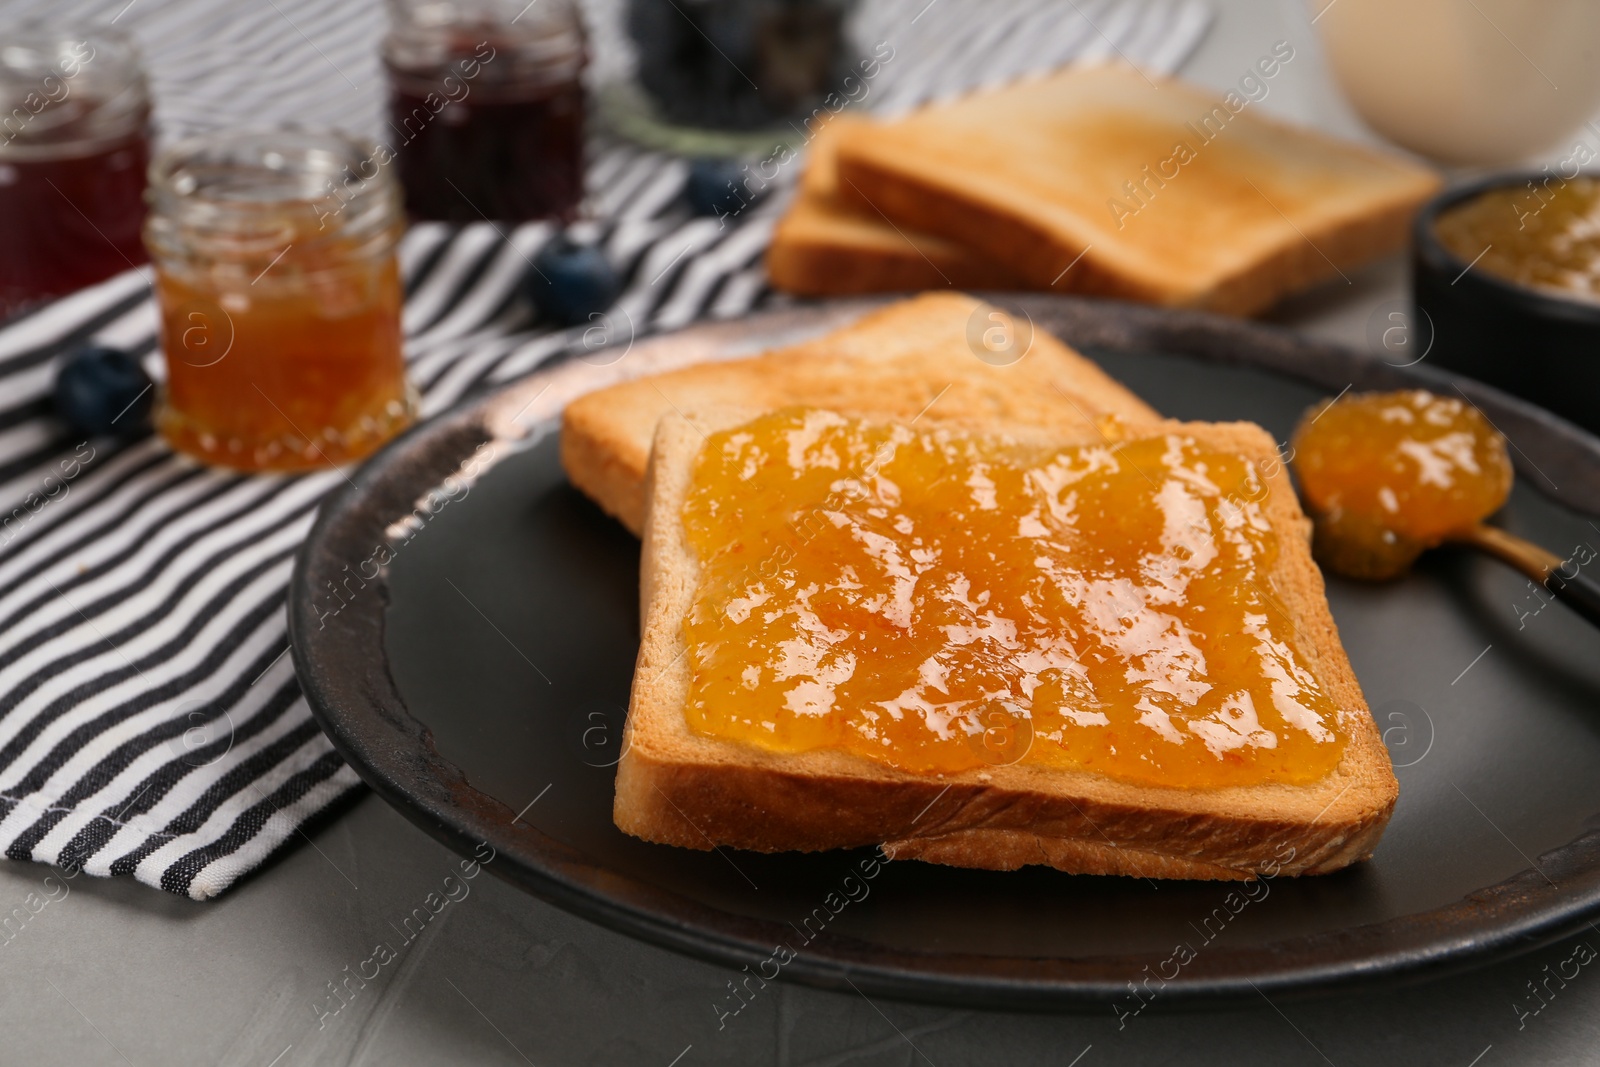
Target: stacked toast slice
{"points": [[924, 356], [1095, 180]]}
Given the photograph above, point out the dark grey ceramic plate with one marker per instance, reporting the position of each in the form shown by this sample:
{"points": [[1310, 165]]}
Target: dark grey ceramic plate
{"points": [[478, 679]]}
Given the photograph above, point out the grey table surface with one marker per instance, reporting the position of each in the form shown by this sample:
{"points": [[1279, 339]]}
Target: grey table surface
{"points": [[112, 972]]}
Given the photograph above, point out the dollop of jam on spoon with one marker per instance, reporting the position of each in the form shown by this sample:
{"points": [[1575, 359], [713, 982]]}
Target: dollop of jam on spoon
{"points": [[1387, 476]]}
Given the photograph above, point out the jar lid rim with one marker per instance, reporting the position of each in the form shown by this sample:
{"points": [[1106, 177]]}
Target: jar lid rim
{"points": [[287, 151], [243, 181]]}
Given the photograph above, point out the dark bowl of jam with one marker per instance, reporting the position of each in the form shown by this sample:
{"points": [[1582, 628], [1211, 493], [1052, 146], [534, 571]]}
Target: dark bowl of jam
{"points": [[1506, 273]]}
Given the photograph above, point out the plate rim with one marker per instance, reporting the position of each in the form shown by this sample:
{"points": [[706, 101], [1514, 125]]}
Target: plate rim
{"points": [[360, 709]]}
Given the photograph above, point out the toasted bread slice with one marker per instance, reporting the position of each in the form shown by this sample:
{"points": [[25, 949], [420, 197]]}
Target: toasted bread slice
{"points": [[831, 243], [677, 786], [909, 358], [1168, 194]]}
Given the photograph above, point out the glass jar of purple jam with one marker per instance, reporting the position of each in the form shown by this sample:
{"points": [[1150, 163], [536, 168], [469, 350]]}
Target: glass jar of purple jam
{"points": [[74, 146], [486, 107]]}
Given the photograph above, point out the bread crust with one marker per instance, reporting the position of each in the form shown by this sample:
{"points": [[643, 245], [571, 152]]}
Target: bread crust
{"points": [[1345, 208], [910, 357], [677, 787], [817, 250], [833, 243]]}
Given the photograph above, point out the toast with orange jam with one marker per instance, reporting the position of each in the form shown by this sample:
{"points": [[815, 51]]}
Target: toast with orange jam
{"points": [[1104, 650], [931, 357]]}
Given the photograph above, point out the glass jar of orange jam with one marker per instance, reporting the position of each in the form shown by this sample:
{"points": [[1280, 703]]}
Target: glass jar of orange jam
{"points": [[280, 299]]}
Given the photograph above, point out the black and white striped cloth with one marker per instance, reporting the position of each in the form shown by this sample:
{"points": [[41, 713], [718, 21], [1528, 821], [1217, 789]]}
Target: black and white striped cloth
{"points": [[150, 723]]}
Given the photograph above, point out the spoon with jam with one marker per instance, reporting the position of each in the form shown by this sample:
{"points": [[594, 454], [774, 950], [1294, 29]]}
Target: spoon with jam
{"points": [[1387, 476]]}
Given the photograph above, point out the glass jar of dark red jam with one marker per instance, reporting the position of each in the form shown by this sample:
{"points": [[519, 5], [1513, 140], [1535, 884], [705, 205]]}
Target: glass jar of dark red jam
{"points": [[486, 107], [74, 146]]}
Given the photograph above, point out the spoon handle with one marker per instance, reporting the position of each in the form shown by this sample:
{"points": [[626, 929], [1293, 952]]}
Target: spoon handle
{"points": [[1578, 591]]}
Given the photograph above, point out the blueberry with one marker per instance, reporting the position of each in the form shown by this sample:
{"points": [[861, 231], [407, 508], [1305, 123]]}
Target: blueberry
{"points": [[570, 282], [716, 187], [103, 390]]}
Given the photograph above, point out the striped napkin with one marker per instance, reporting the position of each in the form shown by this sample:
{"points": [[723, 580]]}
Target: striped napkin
{"points": [[150, 721]]}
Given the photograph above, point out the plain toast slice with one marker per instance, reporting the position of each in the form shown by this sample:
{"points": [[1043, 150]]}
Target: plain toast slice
{"points": [[679, 787], [1098, 180], [831, 242], [909, 358]]}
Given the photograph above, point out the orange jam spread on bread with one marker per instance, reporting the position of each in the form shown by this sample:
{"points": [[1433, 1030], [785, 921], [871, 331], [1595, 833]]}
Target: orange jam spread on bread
{"points": [[938, 602], [1387, 475]]}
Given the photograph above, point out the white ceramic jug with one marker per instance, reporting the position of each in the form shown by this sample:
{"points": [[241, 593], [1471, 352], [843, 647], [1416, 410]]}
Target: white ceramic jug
{"points": [[1467, 81]]}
